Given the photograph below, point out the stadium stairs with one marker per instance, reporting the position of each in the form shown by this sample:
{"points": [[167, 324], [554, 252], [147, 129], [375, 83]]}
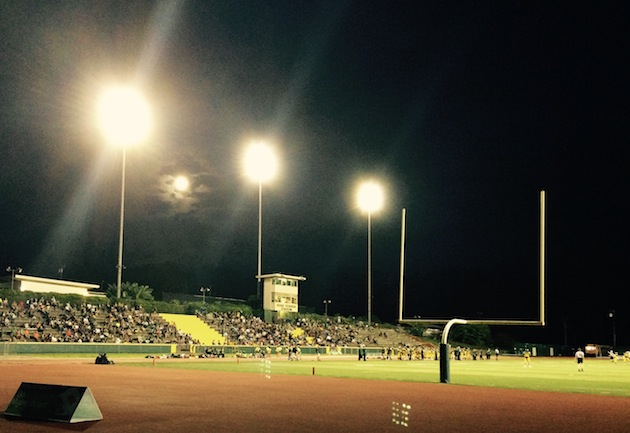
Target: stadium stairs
{"points": [[195, 327]]}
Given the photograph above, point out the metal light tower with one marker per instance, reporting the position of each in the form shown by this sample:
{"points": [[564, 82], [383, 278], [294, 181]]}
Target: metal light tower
{"points": [[260, 165], [370, 199], [611, 315], [13, 270], [203, 291], [125, 120], [327, 302]]}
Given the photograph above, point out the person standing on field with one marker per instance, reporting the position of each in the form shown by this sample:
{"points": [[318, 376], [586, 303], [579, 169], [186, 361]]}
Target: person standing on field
{"points": [[579, 357], [613, 356], [526, 358], [362, 352]]}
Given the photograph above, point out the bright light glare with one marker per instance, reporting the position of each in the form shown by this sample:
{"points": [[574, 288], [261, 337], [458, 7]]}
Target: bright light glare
{"points": [[124, 116], [260, 162], [181, 183], [370, 197]]}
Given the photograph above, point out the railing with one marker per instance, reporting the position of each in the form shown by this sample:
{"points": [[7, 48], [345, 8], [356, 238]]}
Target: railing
{"points": [[8, 349], [18, 348]]}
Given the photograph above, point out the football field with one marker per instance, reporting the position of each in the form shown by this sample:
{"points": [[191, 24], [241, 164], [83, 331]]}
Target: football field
{"points": [[345, 395], [600, 376]]}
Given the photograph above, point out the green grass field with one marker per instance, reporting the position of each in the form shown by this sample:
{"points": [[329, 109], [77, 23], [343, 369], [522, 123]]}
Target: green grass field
{"points": [[601, 377]]}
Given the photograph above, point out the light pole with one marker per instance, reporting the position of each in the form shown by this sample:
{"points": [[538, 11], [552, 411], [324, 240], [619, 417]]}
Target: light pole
{"points": [[203, 291], [125, 119], [370, 199], [260, 165], [13, 271], [326, 303]]}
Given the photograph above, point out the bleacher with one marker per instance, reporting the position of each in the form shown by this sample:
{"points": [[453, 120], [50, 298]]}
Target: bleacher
{"points": [[125, 324], [56, 324]]}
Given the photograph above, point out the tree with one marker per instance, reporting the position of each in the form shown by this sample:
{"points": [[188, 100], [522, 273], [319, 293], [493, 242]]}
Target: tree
{"points": [[474, 335], [134, 291]]}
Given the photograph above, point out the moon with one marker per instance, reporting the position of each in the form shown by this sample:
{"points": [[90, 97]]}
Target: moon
{"points": [[181, 183]]}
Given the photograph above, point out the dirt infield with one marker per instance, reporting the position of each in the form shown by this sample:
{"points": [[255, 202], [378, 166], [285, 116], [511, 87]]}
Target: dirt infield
{"points": [[135, 399]]}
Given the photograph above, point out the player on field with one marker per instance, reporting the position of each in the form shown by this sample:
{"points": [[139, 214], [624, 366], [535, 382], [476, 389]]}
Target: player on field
{"points": [[579, 357], [612, 355], [526, 358]]}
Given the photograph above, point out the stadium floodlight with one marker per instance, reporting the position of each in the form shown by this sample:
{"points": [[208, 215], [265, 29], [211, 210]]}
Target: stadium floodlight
{"points": [[260, 165], [370, 199], [125, 119]]}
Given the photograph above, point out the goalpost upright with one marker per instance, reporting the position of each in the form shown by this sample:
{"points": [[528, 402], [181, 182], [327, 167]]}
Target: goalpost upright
{"points": [[444, 348], [437, 321]]}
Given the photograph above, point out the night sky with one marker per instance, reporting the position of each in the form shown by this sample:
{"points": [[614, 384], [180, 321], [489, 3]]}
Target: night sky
{"points": [[463, 110]]}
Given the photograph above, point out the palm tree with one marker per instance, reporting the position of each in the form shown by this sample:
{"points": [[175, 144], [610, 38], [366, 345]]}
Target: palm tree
{"points": [[135, 291]]}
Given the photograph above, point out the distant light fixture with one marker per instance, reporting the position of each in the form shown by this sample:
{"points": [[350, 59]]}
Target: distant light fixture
{"points": [[203, 291], [326, 303], [13, 271]]}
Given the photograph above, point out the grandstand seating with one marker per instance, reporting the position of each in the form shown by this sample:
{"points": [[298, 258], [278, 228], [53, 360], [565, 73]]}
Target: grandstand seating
{"points": [[45, 320], [83, 323]]}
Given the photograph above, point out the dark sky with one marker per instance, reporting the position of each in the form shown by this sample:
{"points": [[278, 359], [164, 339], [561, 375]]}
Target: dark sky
{"points": [[464, 111]]}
